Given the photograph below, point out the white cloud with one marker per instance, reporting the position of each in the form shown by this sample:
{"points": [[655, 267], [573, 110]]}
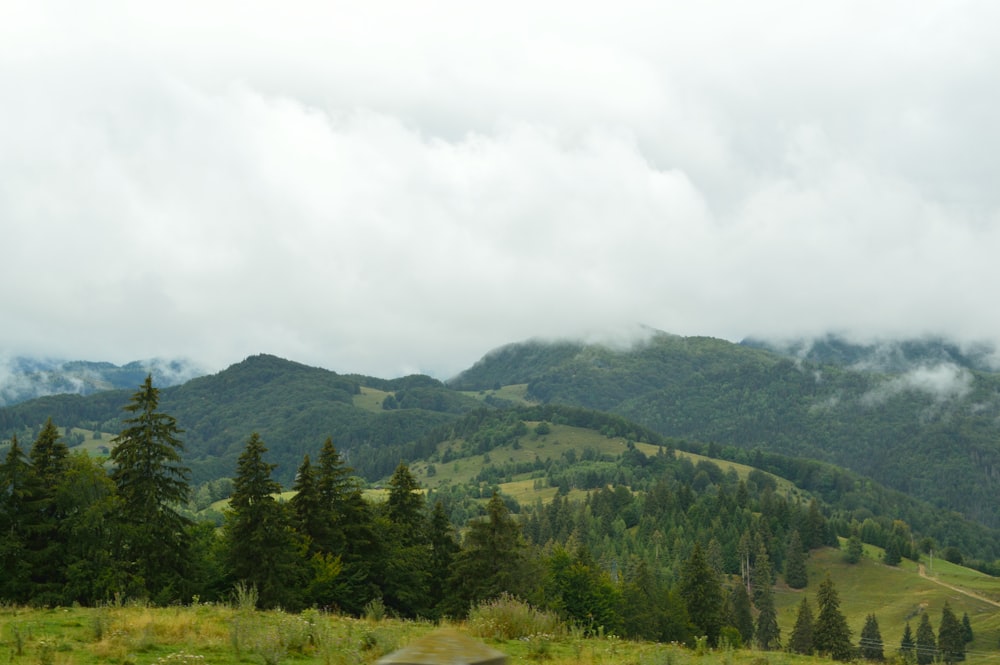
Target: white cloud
{"points": [[379, 188], [943, 382]]}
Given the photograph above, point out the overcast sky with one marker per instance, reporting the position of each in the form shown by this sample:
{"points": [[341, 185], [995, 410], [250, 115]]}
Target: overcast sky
{"points": [[392, 187]]}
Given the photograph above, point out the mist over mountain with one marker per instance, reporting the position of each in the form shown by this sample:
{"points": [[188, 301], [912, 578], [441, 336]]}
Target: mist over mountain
{"points": [[23, 378], [890, 356]]}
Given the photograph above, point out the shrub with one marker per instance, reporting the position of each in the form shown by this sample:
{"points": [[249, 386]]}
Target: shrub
{"points": [[508, 618]]}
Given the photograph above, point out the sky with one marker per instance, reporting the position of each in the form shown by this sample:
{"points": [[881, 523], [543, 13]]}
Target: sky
{"points": [[396, 187]]}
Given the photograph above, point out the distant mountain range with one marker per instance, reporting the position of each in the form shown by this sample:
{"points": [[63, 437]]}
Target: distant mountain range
{"points": [[921, 417], [24, 378]]}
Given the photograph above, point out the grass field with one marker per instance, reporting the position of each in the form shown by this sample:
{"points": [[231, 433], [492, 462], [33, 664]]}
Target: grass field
{"points": [[218, 634], [896, 595], [551, 446]]}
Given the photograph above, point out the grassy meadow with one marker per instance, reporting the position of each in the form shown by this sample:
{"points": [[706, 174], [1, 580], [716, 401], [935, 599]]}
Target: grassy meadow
{"points": [[217, 634], [896, 595]]}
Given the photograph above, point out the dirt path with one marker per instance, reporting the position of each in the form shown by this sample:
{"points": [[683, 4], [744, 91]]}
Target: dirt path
{"points": [[964, 592]]}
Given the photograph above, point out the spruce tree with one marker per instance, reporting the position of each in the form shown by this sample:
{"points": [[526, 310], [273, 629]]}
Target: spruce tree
{"points": [[831, 635], [309, 518], [871, 640], [795, 563], [967, 634], [702, 593], [491, 560], [892, 556], [261, 547], [854, 549], [926, 644], [951, 636], [444, 547], [45, 543], [801, 640], [739, 614], [151, 483], [907, 644], [404, 567], [767, 632], [15, 583], [405, 506]]}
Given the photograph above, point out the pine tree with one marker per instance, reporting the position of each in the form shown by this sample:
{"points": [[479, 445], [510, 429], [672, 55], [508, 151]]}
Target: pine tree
{"points": [[892, 556], [15, 584], [261, 548], [491, 561], [795, 563], [967, 634], [702, 593], [801, 640], [404, 567], [926, 643], [405, 505], [444, 547], [831, 635], [45, 543], [150, 482], [768, 633], [854, 549], [739, 614], [951, 636], [907, 645], [871, 640], [309, 518]]}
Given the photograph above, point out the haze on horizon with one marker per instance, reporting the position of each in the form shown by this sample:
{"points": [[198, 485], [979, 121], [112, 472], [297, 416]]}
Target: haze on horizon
{"points": [[386, 189]]}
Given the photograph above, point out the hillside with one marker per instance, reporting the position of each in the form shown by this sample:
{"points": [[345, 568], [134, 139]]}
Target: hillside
{"points": [[292, 406], [917, 430]]}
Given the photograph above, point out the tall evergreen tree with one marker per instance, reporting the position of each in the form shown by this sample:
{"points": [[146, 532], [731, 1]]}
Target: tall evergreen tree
{"points": [[926, 643], [309, 517], [871, 640], [702, 593], [907, 645], [405, 505], [951, 636], [15, 583], [151, 483], [768, 633], [444, 547], [404, 567], [801, 640], [45, 543], [831, 635], [967, 634], [261, 548], [795, 563], [491, 561], [739, 614]]}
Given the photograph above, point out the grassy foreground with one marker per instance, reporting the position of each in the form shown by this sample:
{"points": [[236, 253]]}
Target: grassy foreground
{"points": [[207, 634]]}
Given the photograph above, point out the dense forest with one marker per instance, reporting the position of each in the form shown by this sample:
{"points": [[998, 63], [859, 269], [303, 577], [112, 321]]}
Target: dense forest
{"points": [[924, 421]]}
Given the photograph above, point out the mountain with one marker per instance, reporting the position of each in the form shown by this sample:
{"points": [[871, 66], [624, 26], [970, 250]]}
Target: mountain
{"points": [[292, 406], [23, 378], [930, 428]]}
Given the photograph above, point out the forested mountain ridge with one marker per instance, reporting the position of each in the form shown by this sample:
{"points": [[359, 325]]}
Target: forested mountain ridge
{"points": [[290, 404], [930, 431], [23, 378]]}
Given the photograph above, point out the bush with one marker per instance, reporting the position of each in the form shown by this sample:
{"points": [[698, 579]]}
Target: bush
{"points": [[508, 618]]}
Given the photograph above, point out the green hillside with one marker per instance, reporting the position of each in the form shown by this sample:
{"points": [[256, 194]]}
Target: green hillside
{"points": [[900, 594], [916, 430]]}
